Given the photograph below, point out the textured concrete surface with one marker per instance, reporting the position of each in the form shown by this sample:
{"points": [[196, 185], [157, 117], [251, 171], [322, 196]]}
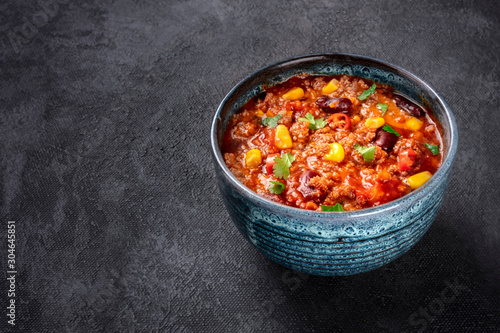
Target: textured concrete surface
{"points": [[105, 167]]}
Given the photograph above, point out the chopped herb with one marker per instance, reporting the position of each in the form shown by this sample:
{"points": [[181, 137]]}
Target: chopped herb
{"points": [[276, 188], [433, 148], [389, 129], [272, 122], [382, 107], [367, 92], [336, 208], [314, 124], [282, 164], [368, 153]]}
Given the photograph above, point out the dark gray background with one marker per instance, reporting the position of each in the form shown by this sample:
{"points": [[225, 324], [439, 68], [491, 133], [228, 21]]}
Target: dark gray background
{"points": [[105, 161]]}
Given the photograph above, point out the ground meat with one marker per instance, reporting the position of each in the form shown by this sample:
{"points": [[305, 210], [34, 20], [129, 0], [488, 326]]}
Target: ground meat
{"points": [[286, 119], [244, 129], [299, 131], [238, 173], [404, 143], [380, 155], [270, 101], [230, 159], [323, 184], [319, 83], [370, 134]]}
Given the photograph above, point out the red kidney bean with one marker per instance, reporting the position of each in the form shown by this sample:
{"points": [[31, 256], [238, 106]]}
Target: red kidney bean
{"points": [[344, 105], [306, 176], [341, 105], [324, 103], [410, 107], [304, 188], [385, 140]]}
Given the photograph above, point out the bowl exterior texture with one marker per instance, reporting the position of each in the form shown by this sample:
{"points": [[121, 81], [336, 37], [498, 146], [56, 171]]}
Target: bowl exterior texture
{"points": [[344, 243], [310, 245]]}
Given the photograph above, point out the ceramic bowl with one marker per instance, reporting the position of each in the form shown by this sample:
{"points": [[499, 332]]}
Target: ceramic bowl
{"points": [[326, 243]]}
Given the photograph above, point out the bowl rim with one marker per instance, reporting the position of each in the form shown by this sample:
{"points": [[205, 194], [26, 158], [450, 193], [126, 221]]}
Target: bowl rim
{"points": [[388, 207]]}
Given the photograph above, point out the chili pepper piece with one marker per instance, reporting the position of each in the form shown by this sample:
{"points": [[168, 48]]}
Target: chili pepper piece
{"points": [[340, 121]]}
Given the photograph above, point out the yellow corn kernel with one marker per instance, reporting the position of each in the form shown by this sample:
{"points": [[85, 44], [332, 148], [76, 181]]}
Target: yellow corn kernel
{"points": [[293, 94], [332, 86], [375, 122], [260, 113], [414, 124], [355, 119], [419, 179], [253, 158], [384, 174], [336, 153], [282, 137]]}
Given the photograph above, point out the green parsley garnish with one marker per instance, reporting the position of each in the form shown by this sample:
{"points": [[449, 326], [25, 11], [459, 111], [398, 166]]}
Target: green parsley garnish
{"points": [[382, 107], [272, 122], [276, 188], [433, 148], [336, 208], [282, 164], [389, 129], [367, 92], [368, 153], [314, 124]]}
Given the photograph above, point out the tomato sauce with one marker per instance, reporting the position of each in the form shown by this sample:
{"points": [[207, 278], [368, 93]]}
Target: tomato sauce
{"points": [[314, 142]]}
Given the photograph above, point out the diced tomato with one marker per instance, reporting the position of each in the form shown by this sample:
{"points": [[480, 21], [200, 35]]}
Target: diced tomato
{"points": [[265, 138], [270, 162], [340, 121], [407, 159]]}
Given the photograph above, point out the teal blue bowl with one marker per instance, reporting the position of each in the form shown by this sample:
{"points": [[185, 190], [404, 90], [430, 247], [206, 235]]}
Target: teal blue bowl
{"points": [[340, 243]]}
